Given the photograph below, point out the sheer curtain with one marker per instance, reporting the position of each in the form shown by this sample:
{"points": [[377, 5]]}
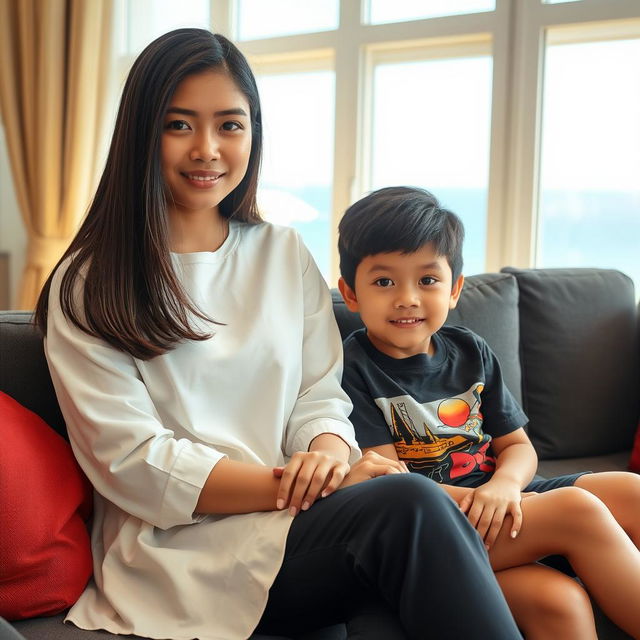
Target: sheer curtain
{"points": [[57, 58]]}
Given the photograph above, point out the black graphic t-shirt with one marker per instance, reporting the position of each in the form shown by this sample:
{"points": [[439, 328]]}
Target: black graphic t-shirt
{"points": [[439, 411]]}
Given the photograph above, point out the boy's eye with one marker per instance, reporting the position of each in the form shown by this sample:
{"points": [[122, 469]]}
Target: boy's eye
{"points": [[427, 280], [383, 282], [177, 125]]}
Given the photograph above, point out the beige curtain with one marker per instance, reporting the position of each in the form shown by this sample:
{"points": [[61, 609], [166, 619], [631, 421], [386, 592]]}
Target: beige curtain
{"points": [[56, 58]]}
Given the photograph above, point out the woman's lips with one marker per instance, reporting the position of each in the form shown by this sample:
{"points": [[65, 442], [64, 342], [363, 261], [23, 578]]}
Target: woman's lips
{"points": [[202, 179]]}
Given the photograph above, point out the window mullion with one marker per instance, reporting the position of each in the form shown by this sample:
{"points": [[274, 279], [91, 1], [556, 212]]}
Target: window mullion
{"points": [[521, 190], [502, 49], [222, 17], [348, 82]]}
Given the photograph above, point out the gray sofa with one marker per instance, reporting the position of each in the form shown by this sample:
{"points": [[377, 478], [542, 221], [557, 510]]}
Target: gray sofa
{"points": [[569, 346]]}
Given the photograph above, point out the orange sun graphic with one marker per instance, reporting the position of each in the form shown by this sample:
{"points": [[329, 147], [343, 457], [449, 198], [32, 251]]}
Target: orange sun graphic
{"points": [[453, 412]]}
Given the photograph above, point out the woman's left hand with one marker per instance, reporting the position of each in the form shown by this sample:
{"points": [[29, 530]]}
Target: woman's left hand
{"points": [[307, 476]]}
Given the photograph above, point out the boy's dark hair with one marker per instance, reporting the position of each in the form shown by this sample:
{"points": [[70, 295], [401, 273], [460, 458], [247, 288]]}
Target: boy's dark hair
{"points": [[131, 296], [398, 219]]}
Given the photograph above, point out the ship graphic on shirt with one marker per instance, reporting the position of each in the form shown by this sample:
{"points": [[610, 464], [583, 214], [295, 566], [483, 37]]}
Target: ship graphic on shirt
{"points": [[442, 439]]}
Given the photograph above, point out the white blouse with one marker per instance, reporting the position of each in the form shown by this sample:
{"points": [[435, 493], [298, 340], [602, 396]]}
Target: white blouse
{"points": [[148, 433]]}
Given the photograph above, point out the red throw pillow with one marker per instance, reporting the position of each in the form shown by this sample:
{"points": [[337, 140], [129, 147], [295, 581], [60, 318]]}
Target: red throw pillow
{"points": [[634, 463], [45, 499]]}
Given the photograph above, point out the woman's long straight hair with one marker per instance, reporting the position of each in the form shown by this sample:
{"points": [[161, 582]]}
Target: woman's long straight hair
{"points": [[131, 296]]}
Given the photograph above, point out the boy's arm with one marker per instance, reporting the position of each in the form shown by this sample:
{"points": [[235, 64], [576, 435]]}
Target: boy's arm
{"points": [[491, 502], [389, 451], [516, 459]]}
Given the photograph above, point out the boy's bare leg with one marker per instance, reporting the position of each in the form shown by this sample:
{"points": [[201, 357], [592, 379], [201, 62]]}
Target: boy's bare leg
{"points": [[576, 524], [547, 604], [620, 491]]}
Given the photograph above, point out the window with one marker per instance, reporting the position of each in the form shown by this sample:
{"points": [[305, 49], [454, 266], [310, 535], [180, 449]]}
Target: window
{"points": [[148, 19], [431, 126], [381, 11], [260, 19], [297, 175], [590, 169]]}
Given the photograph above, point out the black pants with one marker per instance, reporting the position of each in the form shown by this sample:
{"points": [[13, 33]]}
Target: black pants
{"points": [[394, 557]]}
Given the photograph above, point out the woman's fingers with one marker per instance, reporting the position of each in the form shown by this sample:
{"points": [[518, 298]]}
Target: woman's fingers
{"points": [[305, 477], [287, 481], [311, 479], [310, 475], [338, 474]]}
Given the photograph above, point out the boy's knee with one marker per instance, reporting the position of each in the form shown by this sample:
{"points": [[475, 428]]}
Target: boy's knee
{"points": [[578, 505]]}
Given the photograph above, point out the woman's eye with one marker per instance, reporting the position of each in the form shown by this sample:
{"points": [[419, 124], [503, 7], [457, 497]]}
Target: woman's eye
{"points": [[427, 280], [232, 126], [383, 282], [177, 125]]}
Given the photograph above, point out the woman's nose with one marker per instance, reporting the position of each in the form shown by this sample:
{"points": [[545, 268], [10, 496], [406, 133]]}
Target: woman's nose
{"points": [[206, 147]]}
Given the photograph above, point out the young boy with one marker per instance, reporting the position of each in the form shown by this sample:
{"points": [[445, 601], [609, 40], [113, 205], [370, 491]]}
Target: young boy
{"points": [[433, 396]]}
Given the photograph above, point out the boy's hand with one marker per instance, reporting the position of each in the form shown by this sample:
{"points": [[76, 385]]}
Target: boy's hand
{"points": [[372, 465], [488, 505], [306, 475]]}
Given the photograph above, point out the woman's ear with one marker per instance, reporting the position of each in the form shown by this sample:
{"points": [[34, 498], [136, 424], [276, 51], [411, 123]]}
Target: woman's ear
{"points": [[456, 291], [348, 295]]}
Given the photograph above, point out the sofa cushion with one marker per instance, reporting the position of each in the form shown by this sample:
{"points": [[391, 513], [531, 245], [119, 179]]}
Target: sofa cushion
{"points": [[24, 374], [53, 628], [45, 552], [488, 305], [634, 462], [578, 331]]}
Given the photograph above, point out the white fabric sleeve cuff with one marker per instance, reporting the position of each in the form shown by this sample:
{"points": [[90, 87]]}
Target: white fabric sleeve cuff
{"points": [[311, 430], [188, 475]]}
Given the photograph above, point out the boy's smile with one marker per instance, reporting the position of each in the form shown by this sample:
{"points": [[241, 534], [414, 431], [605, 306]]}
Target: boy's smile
{"points": [[403, 299]]}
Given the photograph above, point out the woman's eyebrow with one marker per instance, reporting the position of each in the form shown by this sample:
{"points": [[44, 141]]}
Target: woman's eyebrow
{"points": [[238, 111]]}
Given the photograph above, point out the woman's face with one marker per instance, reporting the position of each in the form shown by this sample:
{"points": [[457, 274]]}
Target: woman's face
{"points": [[206, 142]]}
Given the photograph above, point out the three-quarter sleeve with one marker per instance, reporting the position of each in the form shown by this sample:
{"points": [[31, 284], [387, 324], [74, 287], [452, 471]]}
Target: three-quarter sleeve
{"points": [[129, 456], [322, 405]]}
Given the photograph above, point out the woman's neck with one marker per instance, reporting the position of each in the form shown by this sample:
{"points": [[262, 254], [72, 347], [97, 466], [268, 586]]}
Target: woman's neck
{"points": [[192, 232]]}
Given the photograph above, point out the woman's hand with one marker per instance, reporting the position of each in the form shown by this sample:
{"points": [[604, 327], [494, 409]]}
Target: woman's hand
{"points": [[372, 465], [489, 504], [306, 476]]}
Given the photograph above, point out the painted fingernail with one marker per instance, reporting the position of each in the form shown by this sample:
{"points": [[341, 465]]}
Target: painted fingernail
{"points": [[514, 533], [280, 503], [292, 511], [305, 505], [324, 494], [486, 546]]}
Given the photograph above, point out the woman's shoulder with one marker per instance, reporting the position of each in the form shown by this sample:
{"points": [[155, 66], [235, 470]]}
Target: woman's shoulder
{"points": [[64, 266], [269, 230], [270, 237]]}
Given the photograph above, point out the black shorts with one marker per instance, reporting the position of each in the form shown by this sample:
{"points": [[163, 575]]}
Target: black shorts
{"points": [[540, 484]]}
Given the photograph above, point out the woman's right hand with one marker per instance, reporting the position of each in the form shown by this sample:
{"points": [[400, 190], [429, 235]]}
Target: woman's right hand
{"points": [[372, 465]]}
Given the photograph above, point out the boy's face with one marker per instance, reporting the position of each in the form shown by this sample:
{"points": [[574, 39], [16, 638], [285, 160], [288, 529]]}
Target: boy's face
{"points": [[403, 299]]}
